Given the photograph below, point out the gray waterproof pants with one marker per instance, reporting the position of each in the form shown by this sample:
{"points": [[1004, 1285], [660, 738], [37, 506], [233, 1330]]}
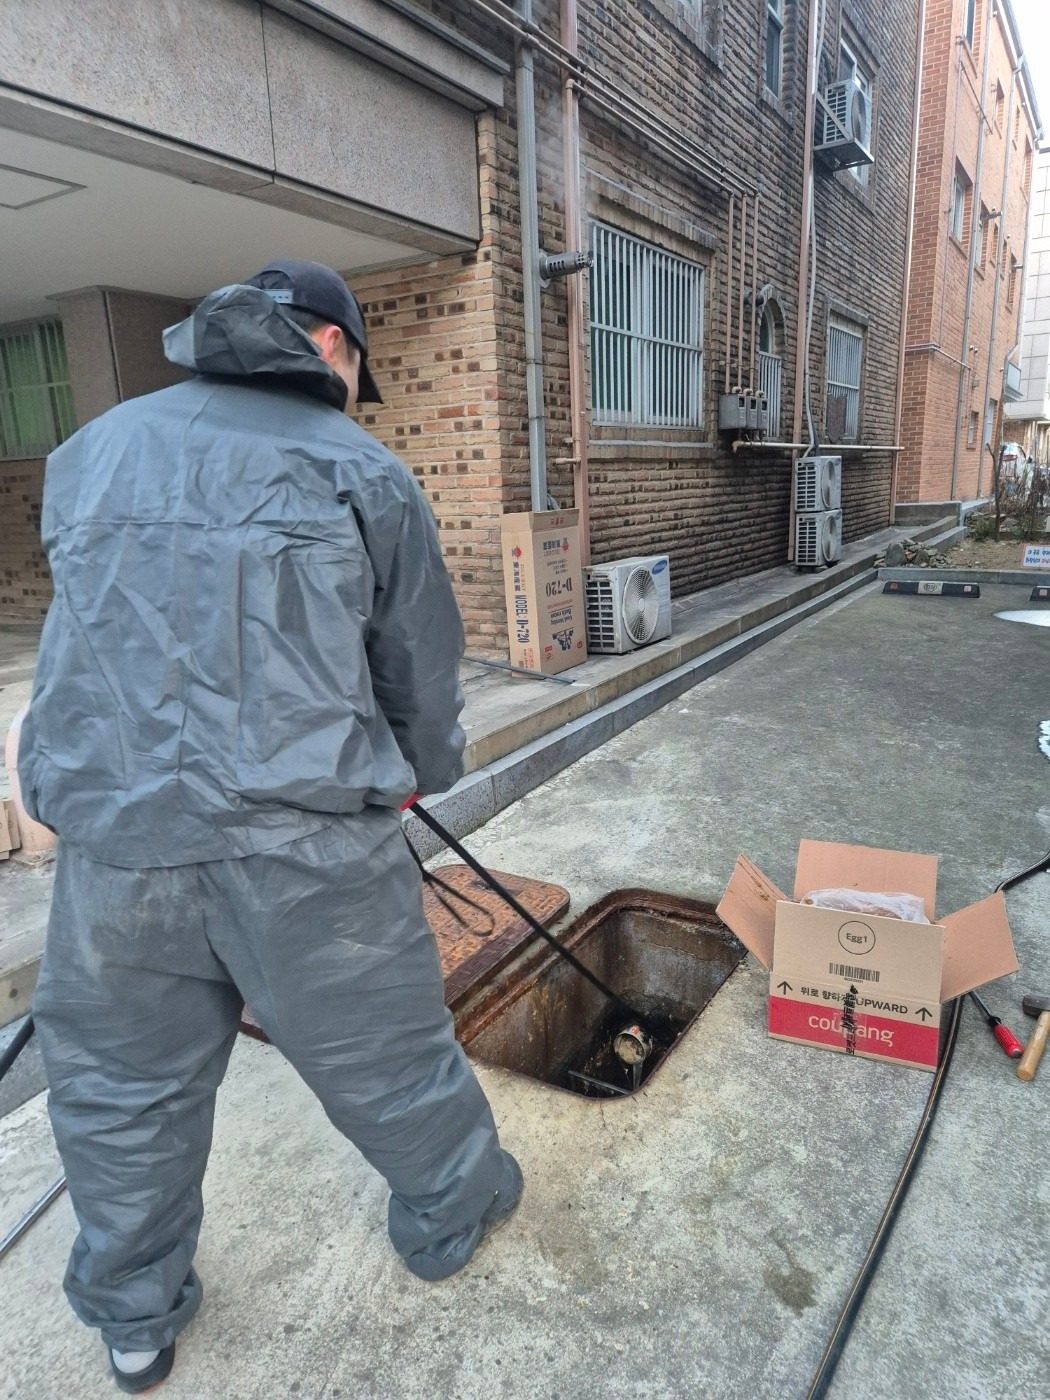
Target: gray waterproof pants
{"points": [[137, 1010]]}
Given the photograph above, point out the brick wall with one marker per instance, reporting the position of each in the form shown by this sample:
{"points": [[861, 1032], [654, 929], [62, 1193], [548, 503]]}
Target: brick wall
{"points": [[448, 335], [25, 582], [952, 370]]}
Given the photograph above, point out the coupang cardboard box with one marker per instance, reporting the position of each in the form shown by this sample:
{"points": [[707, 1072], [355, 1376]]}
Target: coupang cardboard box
{"points": [[857, 982]]}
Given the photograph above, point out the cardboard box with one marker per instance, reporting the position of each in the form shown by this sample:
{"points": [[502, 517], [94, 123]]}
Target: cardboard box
{"points": [[544, 583], [860, 984]]}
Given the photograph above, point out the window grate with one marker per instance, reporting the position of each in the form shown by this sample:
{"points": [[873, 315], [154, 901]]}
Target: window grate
{"points": [[770, 371], [36, 402], [647, 334], [845, 358]]}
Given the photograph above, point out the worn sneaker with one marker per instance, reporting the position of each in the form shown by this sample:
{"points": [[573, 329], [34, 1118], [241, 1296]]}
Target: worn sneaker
{"points": [[138, 1371]]}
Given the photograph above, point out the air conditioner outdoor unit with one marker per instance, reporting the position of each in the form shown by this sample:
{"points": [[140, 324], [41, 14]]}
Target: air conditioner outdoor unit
{"points": [[818, 538], [843, 126], [818, 484], [628, 603]]}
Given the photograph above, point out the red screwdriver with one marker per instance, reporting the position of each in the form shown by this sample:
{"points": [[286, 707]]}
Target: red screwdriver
{"points": [[1003, 1034]]}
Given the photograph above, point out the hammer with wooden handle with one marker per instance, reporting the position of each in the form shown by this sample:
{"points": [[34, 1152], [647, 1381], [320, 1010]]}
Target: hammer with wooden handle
{"points": [[1033, 1051]]}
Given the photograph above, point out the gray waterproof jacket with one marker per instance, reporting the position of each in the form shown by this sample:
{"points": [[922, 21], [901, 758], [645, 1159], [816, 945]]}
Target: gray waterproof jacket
{"points": [[252, 628]]}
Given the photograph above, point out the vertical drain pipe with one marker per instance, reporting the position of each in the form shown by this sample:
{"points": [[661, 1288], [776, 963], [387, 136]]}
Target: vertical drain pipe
{"points": [[743, 280], [754, 299], [729, 286], [802, 300], [530, 258], [920, 58], [997, 286], [574, 238], [965, 373]]}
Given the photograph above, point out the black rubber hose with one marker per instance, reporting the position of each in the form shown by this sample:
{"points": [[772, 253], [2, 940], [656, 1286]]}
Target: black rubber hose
{"points": [[533, 923], [855, 1298], [21, 1039]]}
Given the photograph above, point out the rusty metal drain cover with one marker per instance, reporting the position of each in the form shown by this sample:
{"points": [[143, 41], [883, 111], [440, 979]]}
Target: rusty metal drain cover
{"points": [[472, 951]]}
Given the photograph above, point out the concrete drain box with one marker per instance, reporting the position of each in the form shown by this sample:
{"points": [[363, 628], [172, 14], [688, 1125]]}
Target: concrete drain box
{"points": [[666, 957]]}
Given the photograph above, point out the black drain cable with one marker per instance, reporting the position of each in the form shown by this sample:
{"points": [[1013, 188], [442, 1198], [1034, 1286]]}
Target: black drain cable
{"points": [[19, 1041], [439, 831], [444, 893], [855, 1298]]}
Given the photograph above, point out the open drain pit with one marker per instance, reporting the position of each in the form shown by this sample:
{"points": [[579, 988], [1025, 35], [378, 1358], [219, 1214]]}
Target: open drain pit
{"points": [[666, 957]]}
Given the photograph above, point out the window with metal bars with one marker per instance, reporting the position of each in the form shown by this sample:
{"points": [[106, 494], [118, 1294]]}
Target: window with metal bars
{"points": [[962, 194], [36, 403], [770, 368], [845, 362], [647, 334]]}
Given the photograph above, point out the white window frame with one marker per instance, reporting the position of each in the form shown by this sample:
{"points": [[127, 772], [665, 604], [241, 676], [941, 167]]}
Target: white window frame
{"points": [[849, 67], [647, 350], [845, 364], [774, 35], [970, 22], [43, 403]]}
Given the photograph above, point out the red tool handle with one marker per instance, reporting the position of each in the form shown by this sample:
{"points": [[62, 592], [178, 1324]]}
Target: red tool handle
{"points": [[1006, 1038]]}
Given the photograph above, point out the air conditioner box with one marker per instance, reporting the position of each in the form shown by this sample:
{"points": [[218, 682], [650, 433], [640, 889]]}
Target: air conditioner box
{"points": [[628, 604], [818, 538], [842, 129], [818, 483]]}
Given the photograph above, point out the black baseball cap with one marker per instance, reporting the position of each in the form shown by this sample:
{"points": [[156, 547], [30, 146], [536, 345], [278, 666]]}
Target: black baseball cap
{"points": [[312, 287]]}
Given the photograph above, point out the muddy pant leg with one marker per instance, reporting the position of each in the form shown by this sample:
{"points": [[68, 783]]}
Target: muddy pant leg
{"points": [[134, 1052], [327, 940]]}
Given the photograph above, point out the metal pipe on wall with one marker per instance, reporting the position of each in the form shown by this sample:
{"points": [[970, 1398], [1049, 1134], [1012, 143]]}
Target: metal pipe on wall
{"points": [[574, 287], [765, 446], [729, 284], [754, 296], [614, 100], [525, 80], [916, 113], [802, 299], [975, 220], [997, 285], [740, 312]]}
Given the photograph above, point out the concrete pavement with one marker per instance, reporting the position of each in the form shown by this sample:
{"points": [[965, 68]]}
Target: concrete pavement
{"points": [[698, 1239]]}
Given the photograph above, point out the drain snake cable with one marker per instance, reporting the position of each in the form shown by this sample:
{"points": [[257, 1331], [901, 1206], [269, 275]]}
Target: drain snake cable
{"points": [[497, 888], [855, 1298]]}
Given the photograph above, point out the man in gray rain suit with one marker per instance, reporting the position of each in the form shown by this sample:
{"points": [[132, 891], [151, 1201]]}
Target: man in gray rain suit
{"points": [[249, 665]]}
